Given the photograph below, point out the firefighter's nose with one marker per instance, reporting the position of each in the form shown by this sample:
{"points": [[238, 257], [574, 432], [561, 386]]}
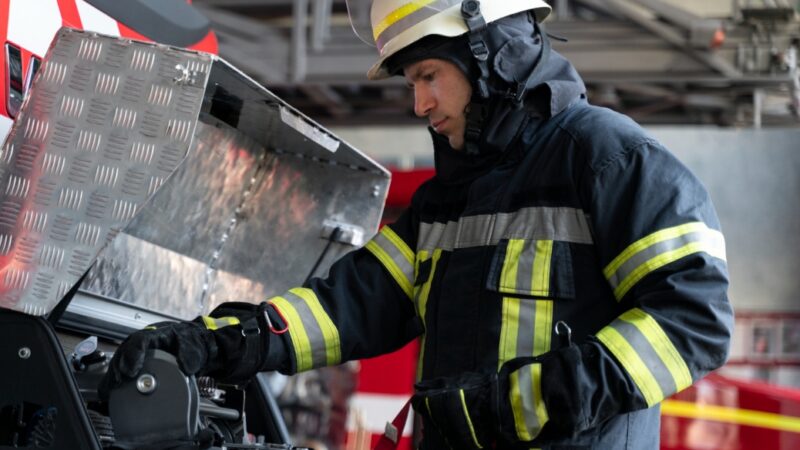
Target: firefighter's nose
{"points": [[424, 101]]}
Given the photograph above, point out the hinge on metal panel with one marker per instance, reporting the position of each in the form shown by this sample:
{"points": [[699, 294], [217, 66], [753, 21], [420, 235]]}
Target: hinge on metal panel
{"points": [[185, 76], [347, 233]]}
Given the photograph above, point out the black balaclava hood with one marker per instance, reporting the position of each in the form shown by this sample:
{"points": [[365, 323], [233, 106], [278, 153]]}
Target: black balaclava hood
{"points": [[516, 46]]}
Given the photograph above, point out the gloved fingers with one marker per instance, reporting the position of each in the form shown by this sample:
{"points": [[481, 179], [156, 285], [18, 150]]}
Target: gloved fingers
{"points": [[193, 346], [111, 380], [127, 362], [130, 355], [457, 415]]}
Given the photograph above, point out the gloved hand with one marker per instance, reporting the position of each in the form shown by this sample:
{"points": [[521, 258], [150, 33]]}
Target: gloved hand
{"points": [[460, 408], [229, 345], [483, 411]]}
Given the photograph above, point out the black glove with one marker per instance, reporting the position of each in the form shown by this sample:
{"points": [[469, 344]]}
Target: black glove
{"points": [[520, 409], [460, 409], [474, 411], [230, 345]]}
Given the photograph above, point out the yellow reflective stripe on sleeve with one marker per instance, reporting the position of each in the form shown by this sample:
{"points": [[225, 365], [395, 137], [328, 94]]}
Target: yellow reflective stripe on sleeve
{"points": [[297, 334], [330, 333], [659, 249], [215, 323], [404, 249], [396, 256], [633, 364], [647, 354], [662, 345], [405, 284], [314, 336], [541, 268], [469, 419]]}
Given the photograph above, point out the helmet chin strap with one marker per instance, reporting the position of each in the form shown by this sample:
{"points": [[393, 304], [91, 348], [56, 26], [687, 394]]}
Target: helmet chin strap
{"points": [[477, 110]]}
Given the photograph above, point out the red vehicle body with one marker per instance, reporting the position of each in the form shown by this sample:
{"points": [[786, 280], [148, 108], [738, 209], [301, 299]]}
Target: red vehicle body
{"points": [[28, 26]]}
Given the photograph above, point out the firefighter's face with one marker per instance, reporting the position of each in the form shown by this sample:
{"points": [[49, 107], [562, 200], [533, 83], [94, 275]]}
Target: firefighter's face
{"points": [[441, 93]]}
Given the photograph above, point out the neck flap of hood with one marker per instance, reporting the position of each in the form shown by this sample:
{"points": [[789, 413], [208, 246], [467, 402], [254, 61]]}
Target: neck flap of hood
{"points": [[516, 46]]}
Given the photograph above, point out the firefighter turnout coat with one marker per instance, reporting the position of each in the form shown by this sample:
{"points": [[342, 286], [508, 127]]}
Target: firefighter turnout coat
{"points": [[584, 219]]}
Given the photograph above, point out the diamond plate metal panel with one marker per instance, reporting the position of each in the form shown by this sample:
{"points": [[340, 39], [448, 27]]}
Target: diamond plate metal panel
{"points": [[179, 180], [234, 222], [106, 122]]}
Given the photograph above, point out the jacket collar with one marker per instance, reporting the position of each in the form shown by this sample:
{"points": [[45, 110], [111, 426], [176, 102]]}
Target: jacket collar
{"points": [[559, 88]]}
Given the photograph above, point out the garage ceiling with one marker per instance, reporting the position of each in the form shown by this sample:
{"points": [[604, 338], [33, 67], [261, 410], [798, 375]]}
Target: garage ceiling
{"points": [[658, 61]]}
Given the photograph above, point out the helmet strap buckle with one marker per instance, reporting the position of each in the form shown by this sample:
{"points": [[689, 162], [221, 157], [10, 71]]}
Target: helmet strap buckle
{"points": [[516, 93], [477, 109], [476, 114], [479, 50]]}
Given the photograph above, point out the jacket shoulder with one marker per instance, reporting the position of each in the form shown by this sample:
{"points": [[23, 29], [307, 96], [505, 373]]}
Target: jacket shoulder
{"points": [[603, 135]]}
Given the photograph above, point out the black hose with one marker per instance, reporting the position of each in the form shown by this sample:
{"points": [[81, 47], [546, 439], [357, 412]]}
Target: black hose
{"points": [[334, 236]]}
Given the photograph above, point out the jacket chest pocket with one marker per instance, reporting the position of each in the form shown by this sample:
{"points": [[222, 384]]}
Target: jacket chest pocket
{"points": [[535, 268], [531, 276]]}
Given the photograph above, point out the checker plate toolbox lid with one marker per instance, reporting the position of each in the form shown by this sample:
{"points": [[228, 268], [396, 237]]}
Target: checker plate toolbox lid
{"points": [[175, 180]]}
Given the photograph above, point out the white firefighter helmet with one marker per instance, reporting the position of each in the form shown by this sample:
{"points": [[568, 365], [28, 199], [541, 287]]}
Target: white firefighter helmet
{"points": [[396, 24]]}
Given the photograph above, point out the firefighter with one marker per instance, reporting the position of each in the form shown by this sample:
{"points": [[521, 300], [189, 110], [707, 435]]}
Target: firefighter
{"points": [[564, 271]]}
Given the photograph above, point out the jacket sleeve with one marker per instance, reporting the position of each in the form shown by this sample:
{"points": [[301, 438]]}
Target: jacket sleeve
{"points": [[658, 240], [361, 309]]}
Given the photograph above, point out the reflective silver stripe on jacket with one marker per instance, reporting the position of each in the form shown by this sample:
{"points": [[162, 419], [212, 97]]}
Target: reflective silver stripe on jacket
{"points": [[557, 224]]}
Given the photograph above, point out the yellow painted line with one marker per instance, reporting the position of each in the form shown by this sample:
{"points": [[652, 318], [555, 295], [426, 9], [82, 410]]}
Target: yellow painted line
{"points": [[737, 416]]}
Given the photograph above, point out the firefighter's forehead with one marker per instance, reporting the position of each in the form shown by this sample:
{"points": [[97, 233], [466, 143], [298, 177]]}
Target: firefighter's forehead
{"points": [[416, 70]]}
